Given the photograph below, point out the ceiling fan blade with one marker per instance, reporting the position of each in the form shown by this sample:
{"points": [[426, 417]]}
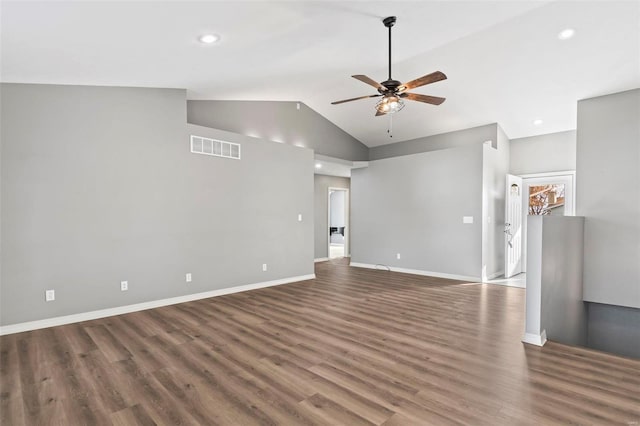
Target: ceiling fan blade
{"points": [[433, 100], [379, 113], [369, 81], [425, 79], [354, 99]]}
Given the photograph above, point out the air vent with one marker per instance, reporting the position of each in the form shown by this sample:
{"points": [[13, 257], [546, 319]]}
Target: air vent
{"points": [[206, 146]]}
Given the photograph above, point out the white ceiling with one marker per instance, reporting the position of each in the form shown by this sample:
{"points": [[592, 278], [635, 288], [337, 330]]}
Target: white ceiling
{"points": [[504, 61]]}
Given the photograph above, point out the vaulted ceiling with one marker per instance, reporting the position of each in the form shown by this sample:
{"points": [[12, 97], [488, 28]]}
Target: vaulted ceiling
{"points": [[503, 59]]}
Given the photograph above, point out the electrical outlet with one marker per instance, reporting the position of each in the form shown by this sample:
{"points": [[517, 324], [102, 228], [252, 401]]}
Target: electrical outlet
{"points": [[300, 218], [188, 277], [50, 295], [264, 267], [124, 285], [398, 256]]}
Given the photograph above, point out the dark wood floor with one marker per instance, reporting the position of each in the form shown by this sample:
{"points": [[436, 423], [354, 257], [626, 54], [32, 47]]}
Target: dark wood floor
{"points": [[351, 347]]}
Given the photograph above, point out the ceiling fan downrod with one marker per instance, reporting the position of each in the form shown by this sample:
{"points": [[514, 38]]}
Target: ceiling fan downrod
{"points": [[389, 22]]}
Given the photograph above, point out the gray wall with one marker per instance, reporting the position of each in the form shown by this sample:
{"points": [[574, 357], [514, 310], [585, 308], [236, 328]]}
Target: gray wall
{"points": [[321, 209], [495, 166], [413, 205], [552, 152], [554, 279], [466, 137], [608, 195], [280, 122], [563, 313], [99, 186], [614, 329]]}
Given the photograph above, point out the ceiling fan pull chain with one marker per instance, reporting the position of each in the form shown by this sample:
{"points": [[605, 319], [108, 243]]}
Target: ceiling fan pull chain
{"points": [[390, 129]]}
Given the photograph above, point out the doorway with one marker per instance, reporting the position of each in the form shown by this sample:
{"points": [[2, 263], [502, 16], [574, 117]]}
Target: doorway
{"points": [[546, 194], [338, 221]]}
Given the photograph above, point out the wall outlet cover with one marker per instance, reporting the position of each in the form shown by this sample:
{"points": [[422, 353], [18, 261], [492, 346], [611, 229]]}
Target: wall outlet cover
{"points": [[50, 295], [188, 277], [124, 285], [467, 219], [264, 267]]}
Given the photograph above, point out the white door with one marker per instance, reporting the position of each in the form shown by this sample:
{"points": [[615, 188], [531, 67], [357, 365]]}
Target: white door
{"points": [[513, 227]]}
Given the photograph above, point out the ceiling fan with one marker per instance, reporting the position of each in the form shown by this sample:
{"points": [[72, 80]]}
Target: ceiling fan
{"points": [[392, 91]]}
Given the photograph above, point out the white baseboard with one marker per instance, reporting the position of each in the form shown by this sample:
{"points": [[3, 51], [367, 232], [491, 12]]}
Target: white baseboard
{"points": [[535, 339], [417, 272], [102, 313], [321, 259], [508, 283], [494, 275]]}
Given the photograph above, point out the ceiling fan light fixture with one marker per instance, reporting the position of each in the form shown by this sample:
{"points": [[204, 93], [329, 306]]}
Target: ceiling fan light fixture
{"points": [[389, 104]]}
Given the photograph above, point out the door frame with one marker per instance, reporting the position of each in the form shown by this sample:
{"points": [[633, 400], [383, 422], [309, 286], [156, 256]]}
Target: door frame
{"points": [[571, 174], [347, 221]]}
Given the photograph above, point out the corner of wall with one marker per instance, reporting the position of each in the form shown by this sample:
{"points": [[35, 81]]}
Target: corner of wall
{"points": [[535, 339], [495, 166]]}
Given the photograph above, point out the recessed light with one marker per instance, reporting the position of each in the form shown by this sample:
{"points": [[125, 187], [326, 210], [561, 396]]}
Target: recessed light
{"points": [[318, 166], [537, 122], [209, 38], [566, 34]]}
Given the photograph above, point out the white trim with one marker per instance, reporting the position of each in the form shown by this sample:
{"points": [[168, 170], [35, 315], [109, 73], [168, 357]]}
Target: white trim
{"points": [[508, 282], [417, 272], [102, 313], [563, 174], [548, 174], [320, 259], [494, 275], [535, 339]]}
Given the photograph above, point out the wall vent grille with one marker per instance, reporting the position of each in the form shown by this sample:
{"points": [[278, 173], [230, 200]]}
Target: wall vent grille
{"points": [[206, 146]]}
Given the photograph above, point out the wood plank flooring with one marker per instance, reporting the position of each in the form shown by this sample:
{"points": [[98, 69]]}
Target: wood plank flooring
{"points": [[352, 347]]}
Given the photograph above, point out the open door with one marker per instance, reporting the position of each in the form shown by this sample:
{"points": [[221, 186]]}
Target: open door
{"points": [[338, 221], [513, 227]]}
